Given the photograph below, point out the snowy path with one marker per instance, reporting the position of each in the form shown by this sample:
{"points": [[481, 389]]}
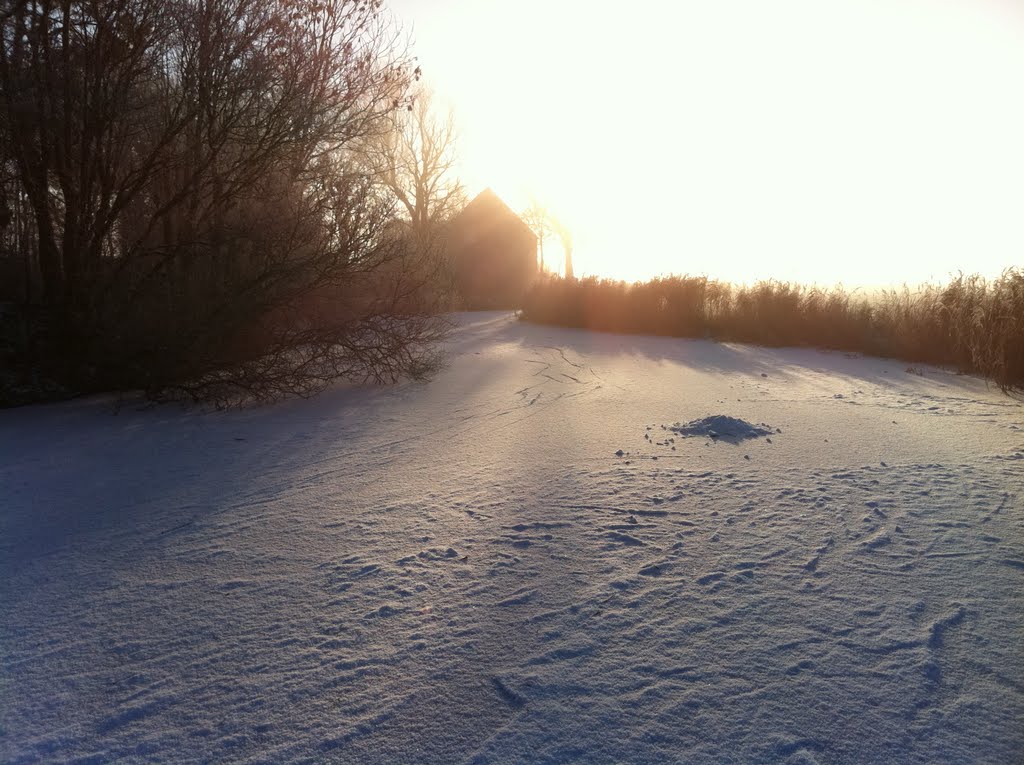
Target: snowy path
{"points": [[464, 571]]}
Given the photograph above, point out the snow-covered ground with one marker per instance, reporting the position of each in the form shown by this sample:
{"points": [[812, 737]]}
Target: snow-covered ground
{"points": [[466, 571]]}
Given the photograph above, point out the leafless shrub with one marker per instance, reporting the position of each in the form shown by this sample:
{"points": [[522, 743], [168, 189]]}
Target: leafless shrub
{"points": [[182, 179], [971, 324]]}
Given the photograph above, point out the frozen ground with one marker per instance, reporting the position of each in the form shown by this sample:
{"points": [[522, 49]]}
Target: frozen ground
{"points": [[465, 571]]}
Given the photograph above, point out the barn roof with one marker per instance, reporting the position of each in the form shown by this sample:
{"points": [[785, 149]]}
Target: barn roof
{"points": [[487, 210]]}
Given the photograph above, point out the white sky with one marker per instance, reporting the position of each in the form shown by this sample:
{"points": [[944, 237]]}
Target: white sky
{"points": [[854, 141]]}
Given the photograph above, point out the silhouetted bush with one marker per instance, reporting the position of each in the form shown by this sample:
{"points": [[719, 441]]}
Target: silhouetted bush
{"points": [[972, 324], [180, 208]]}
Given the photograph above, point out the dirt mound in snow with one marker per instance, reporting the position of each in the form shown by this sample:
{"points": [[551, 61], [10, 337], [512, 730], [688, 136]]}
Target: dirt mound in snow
{"points": [[723, 427]]}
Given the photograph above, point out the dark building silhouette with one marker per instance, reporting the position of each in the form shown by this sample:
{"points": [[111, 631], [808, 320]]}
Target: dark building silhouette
{"points": [[493, 253]]}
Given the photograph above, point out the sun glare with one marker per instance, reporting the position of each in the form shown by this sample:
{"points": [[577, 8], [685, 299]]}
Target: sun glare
{"points": [[854, 141]]}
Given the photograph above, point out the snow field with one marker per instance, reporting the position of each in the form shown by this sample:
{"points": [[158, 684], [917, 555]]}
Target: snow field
{"points": [[467, 571]]}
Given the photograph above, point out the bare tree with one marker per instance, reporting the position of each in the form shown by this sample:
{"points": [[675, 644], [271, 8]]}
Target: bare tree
{"points": [[565, 235], [187, 167], [415, 159], [541, 222]]}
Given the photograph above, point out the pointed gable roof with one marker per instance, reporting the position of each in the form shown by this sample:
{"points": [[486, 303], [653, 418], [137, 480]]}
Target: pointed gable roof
{"points": [[486, 211]]}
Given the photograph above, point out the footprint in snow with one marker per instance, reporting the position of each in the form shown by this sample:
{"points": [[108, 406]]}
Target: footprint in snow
{"points": [[653, 569], [626, 539]]}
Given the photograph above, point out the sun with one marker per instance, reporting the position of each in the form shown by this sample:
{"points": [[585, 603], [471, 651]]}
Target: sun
{"points": [[839, 141]]}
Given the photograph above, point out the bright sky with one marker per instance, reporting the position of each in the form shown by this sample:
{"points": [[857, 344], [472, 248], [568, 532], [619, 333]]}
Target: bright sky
{"points": [[855, 141]]}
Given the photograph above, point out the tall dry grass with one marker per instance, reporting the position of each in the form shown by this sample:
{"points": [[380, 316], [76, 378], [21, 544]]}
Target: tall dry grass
{"points": [[972, 324]]}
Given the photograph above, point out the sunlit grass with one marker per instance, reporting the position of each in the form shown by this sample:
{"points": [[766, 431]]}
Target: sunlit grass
{"points": [[973, 324]]}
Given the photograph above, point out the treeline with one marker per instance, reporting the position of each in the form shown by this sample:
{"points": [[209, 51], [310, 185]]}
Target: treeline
{"points": [[184, 206], [972, 324]]}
